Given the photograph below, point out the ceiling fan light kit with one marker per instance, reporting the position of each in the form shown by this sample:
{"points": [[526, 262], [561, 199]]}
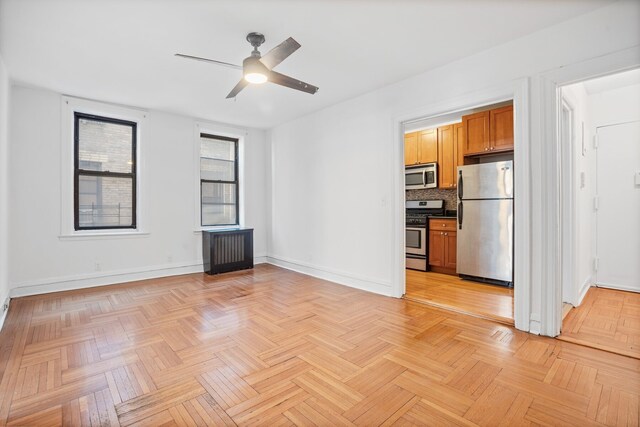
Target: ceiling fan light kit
{"points": [[258, 69]]}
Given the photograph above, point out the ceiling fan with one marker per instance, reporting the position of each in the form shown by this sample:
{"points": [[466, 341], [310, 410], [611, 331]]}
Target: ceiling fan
{"points": [[258, 69]]}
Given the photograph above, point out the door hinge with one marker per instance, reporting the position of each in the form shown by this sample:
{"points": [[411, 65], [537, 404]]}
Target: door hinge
{"points": [[596, 261], [596, 203]]}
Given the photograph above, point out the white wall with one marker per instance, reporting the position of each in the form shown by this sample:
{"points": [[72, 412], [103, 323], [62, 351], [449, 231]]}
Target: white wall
{"points": [[42, 261], [332, 171], [4, 186]]}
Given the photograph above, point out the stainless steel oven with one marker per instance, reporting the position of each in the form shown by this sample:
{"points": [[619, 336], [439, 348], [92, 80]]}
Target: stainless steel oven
{"points": [[424, 176], [416, 238]]}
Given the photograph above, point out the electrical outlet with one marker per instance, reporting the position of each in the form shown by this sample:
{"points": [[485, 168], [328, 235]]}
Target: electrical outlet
{"points": [[582, 180], [5, 306], [169, 258], [98, 266]]}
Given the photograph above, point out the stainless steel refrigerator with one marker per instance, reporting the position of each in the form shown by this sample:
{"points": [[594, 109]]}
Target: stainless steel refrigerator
{"points": [[485, 222]]}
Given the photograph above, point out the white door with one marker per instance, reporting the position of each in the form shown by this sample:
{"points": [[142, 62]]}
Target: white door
{"points": [[618, 214]]}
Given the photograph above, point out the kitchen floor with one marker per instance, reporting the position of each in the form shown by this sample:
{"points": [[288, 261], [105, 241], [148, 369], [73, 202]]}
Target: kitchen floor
{"points": [[463, 296], [607, 320]]}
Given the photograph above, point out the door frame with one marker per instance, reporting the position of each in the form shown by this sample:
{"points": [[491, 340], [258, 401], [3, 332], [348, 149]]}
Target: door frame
{"points": [[518, 91], [568, 197], [548, 180]]}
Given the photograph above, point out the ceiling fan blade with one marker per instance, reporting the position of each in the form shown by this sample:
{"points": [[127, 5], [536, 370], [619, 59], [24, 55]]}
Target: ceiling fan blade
{"points": [[282, 80], [241, 85], [212, 61], [279, 53]]}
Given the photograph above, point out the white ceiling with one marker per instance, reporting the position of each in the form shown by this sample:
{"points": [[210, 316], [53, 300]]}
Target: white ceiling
{"points": [[122, 50]]}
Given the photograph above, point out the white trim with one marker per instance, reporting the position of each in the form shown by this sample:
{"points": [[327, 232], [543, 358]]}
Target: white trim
{"points": [[546, 178], [3, 315], [518, 91], [68, 106], [584, 288], [85, 281], [102, 235], [568, 199], [617, 287], [335, 276], [218, 129], [82, 281]]}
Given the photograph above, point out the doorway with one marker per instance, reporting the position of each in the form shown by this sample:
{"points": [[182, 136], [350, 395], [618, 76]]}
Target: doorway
{"points": [[599, 127], [479, 140]]}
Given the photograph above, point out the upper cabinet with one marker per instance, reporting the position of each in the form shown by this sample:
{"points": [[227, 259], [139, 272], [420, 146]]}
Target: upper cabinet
{"points": [[447, 156], [501, 129], [411, 149], [427, 146], [421, 147], [488, 131], [477, 133]]}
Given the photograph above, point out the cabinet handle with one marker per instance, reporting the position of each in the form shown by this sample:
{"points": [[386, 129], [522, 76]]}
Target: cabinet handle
{"points": [[486, 149], [446, 234], [441, 233], [491, 148]]}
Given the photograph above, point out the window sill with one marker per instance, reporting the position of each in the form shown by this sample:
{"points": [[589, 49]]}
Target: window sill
{"points": [[110, 234], [217, 228]]}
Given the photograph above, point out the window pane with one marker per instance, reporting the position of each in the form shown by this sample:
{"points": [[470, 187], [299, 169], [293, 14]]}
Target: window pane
{"points": [[105, 201], [218, 203], [217, 170], [217, 149], [105, 146]]}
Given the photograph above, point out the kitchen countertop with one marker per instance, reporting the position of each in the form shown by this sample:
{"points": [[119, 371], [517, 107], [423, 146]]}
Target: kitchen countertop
{"points": [[442, 217]]}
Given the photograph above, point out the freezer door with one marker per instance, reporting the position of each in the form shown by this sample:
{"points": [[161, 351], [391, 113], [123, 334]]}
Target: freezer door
{"points": [[486, 181], [485, 239]]}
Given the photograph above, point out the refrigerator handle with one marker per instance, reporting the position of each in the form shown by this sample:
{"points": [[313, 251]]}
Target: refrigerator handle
{"points": [[460, 215], [424, 178], [460, 184]]}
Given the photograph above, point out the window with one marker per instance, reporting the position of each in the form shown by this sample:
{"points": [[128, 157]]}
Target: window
{"points": [[218, 180], [104, 173]]}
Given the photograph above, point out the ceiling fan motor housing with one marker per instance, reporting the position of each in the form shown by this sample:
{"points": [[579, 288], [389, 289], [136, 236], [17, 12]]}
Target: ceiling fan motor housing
{"points": [[256, 39]]}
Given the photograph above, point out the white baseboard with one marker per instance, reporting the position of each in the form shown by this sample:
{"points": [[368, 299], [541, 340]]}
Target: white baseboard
{"points": [[91, 280], [341, 278], [584, 288], [617, 287], [3, 314], [534, 324]]}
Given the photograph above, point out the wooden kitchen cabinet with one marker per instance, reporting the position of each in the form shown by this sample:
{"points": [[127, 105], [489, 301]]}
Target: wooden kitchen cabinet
{"points": [[411, 149], [427, 146], [446, 157], [488, 132], [450, 154], [421, 147], [477, 133], [442, 245], [501, 129]]}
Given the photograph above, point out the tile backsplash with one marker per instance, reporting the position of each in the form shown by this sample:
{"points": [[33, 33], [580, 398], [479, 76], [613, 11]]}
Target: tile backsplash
{"points": [[449, 196]]}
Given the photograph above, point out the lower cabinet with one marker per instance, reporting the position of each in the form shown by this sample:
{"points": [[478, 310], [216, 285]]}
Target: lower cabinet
{"points": [[442, 245]]}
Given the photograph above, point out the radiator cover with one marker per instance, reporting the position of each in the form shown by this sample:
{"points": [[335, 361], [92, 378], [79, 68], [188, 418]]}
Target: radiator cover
{"points": [[227, 250]]}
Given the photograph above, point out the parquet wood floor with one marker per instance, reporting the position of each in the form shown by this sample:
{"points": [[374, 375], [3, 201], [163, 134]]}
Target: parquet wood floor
{"points": [[607, 319], [453, 293], [274, 347]]}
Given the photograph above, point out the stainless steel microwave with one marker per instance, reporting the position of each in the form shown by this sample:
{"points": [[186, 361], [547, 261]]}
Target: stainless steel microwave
{"points": [[423, 176]]}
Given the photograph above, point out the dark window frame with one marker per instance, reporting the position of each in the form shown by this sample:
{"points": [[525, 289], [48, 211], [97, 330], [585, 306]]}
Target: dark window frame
{"points": [[211, 181], [77, 171]]}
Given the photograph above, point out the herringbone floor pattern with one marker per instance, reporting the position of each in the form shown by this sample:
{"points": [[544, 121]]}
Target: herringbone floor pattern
{"points": [[273, 347]]}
